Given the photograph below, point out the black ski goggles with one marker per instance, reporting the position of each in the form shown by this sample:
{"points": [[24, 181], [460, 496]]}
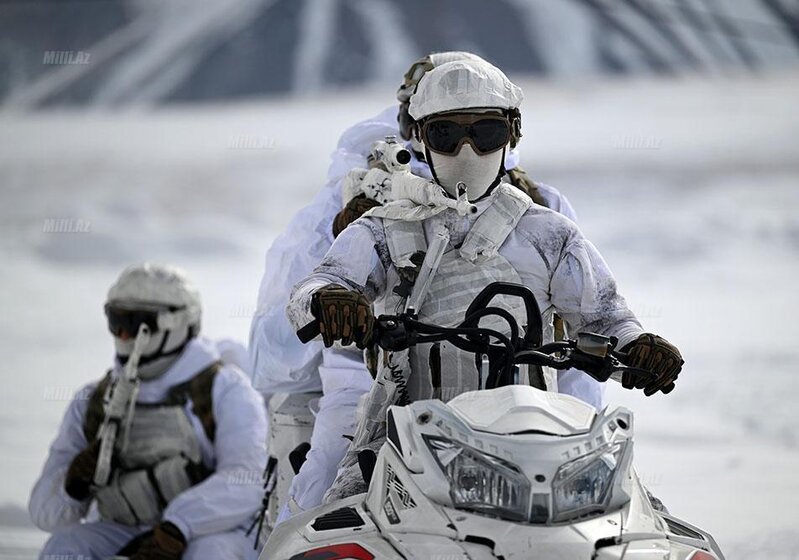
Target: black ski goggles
{"points": [[128, 320], [446, 134]]}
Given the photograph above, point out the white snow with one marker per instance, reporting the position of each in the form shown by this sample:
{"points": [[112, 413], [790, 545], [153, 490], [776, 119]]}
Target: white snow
{"points": [[689, 189]]}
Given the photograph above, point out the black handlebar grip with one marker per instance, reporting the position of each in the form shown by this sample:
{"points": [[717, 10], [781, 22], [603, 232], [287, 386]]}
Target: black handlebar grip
{"points": [[310, 331]]}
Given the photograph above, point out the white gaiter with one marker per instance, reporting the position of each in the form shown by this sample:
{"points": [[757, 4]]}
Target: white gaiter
{"points": [[476, 171]]}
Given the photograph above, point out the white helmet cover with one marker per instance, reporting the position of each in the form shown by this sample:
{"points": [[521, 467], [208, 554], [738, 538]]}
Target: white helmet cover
{"points": [[156, 284], [424, 65], [411, 79], [440, 58], [463, 84]]}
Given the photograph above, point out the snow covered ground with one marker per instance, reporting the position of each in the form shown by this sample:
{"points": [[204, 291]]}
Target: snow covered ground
{"points": [[689, 188]]}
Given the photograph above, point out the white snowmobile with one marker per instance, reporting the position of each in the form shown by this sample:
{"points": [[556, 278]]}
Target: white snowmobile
{"points": [[508, 471]]}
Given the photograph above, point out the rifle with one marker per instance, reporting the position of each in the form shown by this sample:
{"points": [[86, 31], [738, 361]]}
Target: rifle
{"points": [[389, 179], [389, 155], [119, 404]]}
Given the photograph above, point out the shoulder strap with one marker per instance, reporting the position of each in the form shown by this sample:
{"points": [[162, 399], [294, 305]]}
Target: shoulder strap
{"points": [[200, 390], [522, 181], [489, 232], [94, 411]]}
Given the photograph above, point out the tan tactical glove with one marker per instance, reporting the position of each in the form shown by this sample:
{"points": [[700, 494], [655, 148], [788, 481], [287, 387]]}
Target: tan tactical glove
{"points": [[343, 315], [354, 209], [656, 354], [80, 473], [165, 542]]}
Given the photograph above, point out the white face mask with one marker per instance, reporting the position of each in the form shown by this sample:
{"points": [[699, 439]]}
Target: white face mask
{"points": [[477, 172], [150, 364]]}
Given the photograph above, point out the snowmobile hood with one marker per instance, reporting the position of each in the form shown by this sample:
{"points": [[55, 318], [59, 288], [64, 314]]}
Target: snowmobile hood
{"points": [[520, 408]]}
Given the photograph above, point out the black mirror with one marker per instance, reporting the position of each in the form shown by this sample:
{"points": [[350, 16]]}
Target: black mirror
{"points": [[593, 344]]}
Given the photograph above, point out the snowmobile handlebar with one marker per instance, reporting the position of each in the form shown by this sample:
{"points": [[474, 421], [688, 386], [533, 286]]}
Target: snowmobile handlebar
{"points": [[398, 332], [307, 333], [592, 353], [477, 309]]}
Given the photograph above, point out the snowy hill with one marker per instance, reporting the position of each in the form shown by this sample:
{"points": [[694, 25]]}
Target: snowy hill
{"points": [[144, 52]]}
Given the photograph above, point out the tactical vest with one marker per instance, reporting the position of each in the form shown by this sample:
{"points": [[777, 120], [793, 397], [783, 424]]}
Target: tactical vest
{"points": [[163, 457], [464, 271]]}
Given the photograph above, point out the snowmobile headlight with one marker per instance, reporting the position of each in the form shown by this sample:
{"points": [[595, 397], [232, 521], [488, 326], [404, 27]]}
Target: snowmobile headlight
{"points": [[481, 482], [582, 486]]}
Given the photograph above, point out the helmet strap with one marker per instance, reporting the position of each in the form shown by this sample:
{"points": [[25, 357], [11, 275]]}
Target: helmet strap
{"points": [[159, 352], [500, 175]]}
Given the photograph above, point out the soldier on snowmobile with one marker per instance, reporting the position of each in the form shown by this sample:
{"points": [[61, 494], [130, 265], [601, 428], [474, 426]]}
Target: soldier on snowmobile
{"points": [[280, 363], [163, 460], [466, 119]]}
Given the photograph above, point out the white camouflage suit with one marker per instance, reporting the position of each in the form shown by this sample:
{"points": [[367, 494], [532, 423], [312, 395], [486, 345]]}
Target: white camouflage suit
{"points": [[547, 251], [281, 363], [213, 515]]}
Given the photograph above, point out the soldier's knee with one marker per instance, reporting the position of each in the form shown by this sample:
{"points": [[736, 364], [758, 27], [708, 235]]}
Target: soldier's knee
{"points": [[233, 545], [64, 544]]}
